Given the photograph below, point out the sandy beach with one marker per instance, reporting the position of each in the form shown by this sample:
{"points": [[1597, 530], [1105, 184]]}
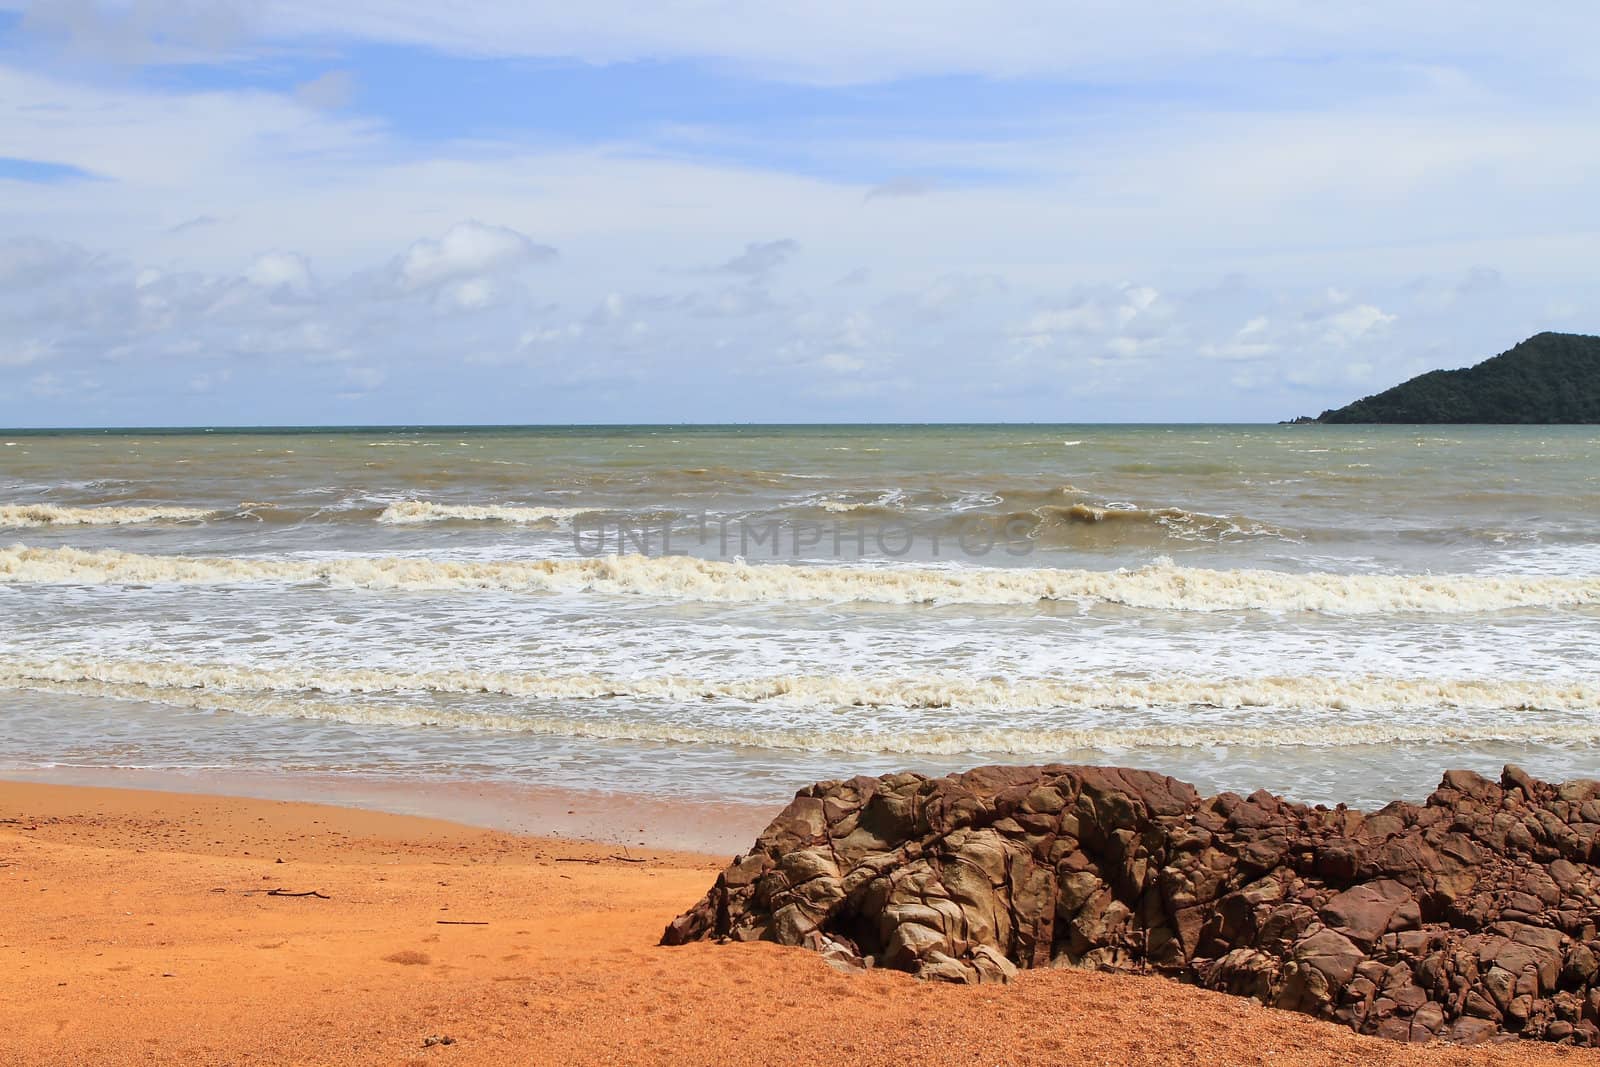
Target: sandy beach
{"points": [[149, 927]]}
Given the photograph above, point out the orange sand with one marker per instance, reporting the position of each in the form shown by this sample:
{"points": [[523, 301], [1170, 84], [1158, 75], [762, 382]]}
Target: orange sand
{"points": [[135, 928]]}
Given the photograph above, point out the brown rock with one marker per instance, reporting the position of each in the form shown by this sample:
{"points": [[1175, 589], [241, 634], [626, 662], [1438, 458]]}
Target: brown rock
{"points": [[1367, 912], [1461, 919]]}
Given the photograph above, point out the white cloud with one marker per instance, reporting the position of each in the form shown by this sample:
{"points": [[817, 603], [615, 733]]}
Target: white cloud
{"points": [[137, 340], [1356, 322], [169, 141], [282, 272], [1324, 190], [1123, 321], [472, 294], [467, 249], [1350, 198], [1044, 326], [1252, 341]]}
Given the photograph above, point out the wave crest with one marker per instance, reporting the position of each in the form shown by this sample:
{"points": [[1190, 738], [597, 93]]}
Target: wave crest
{"points": [[1124, 525], [1160, 586], [28, 515], [409, 512]]}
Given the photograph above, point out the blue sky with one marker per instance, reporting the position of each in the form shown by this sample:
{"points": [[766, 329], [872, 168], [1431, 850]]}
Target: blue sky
{"points": [[361, 212]]}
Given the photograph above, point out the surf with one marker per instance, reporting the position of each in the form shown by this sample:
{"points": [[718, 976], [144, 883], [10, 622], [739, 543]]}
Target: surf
{"points": [[1159, 586], [31, 515], [1330, 712]]}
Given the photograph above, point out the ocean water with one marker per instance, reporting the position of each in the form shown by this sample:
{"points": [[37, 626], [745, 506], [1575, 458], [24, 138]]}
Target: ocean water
{"points": [[1336, 613]]}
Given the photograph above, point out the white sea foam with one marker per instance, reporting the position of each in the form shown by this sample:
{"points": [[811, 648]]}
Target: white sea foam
{"points": [[1374, 710], [15, 515], [409, 512], [892, 500], [1297, 692], [1161, 586]]}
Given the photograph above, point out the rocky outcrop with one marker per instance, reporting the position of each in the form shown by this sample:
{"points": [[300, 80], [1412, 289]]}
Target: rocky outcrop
{"points": [[1470, 916]]}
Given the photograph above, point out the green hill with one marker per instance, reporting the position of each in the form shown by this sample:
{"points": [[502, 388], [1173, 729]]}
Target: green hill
{"points": [[1550, 377]]}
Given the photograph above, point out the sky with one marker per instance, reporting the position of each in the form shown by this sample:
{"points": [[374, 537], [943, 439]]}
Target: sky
{"points": [[348, 212]]}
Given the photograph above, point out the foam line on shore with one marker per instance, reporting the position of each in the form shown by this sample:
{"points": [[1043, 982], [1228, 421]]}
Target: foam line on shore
{"points": [[1161, 586], [1364, 710]]}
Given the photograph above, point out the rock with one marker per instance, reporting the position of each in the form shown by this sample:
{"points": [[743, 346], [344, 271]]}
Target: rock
{"points": [[1471, 916], [1331, 953], [1367, 912]]}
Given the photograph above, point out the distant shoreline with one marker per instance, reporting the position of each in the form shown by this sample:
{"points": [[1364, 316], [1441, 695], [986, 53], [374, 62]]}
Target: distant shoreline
{"points": [[1551, 379]]}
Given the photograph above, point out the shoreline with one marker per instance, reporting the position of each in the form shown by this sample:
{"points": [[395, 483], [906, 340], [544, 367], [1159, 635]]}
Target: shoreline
{"points": [[143, 929], [707, 827]]}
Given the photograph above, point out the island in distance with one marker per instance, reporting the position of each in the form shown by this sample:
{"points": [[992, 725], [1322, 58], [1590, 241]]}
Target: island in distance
{"points": [[1549, 378]]}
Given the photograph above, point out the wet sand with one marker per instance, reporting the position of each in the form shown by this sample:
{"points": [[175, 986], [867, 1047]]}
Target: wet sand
{"points": [[141, 927]]}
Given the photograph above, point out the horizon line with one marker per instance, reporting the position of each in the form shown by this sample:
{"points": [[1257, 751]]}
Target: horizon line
{"points": [[471, 426]]}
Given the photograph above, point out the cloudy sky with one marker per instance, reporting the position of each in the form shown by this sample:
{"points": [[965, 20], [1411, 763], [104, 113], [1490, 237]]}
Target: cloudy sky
{"points": [[352, 211]]}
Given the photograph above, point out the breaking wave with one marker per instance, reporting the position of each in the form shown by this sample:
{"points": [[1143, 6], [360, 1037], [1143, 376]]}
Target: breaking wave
{"points": [[1045, 516], [408, 512], [16, 515], [1123, 524], [1162, 586], [299, 693]]}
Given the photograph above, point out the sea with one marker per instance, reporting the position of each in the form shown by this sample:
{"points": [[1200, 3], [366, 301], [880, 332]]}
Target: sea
{"points": [[1338, 614]]}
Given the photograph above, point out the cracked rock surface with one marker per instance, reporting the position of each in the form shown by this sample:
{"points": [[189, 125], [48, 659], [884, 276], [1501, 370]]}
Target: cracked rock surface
{"points": [[1468, 917]]}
